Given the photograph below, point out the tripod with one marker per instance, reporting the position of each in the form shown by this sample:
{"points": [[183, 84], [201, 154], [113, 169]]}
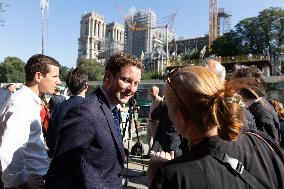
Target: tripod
{"points": [[129, 120]]}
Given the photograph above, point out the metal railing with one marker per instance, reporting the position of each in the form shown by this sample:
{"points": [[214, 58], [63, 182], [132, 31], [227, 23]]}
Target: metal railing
{"points": [[245, 58]]}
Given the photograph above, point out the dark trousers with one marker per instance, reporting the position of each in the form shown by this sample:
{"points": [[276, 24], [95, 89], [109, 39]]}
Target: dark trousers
{"points": [[34, 182], [1, 183]]}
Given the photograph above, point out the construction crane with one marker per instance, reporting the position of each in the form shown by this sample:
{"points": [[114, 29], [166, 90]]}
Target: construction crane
{"points": [[213, 22]]}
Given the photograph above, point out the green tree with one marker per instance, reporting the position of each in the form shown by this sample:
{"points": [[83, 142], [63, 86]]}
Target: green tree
{"points": [[185, 57], [194, 54], [94, 69], [255, 35], [226, 45], [63, 72], [151, 75], [12, 70], [265, 31]]}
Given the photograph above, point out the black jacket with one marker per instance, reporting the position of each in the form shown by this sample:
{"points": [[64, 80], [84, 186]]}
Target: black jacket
{"points": [[88, 153], [266, 118], [56, 120], [198, 169], [166, 133]]}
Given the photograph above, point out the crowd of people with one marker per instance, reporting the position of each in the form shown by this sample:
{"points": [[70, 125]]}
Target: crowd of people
{"points": [[206, 131]]}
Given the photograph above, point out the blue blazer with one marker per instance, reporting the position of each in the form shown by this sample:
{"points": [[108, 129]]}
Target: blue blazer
{"points": [[88, 152], [57, 116]]}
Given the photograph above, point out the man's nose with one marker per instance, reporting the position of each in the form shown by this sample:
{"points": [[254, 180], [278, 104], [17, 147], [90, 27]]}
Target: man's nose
{"points": [[58, 82], [132, 87]]}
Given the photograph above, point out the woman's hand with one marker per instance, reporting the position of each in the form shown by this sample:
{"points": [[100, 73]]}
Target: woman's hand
{"points": [[156, 161]]}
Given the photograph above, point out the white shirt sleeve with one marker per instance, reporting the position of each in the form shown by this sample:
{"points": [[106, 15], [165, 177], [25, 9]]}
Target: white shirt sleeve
{"points": [[14, 141]]}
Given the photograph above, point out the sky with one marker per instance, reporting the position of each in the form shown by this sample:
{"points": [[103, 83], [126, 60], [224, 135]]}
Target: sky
{"points": [[21, 34]]}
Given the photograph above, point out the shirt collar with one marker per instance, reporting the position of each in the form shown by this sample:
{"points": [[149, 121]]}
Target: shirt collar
{"points": [[34, 96], [250, 102], [111, 105]]}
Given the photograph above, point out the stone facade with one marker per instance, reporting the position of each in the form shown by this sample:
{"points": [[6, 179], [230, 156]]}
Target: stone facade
{"points": [[92, 36], [114, 39]]}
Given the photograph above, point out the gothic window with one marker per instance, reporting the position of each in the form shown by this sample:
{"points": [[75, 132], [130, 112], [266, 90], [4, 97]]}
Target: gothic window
{"points": [[99, 46], [95, 27], [86, 28]]}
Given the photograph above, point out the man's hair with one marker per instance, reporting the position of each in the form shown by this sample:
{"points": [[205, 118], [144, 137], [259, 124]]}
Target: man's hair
{"points": [[278, 108], [242, 71], [9, 85], [76, 80], [39, 63], [120, 60]]}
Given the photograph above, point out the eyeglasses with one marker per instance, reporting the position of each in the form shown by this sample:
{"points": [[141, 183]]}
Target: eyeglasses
{"points": [[168, 79]]}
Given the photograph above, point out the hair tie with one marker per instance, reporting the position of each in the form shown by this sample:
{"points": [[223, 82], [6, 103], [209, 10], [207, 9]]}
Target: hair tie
{"points": [[219, 93], [234, 99]]}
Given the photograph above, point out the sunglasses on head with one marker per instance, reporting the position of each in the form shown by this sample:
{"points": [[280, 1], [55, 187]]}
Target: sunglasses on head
{"points": [[168, 80]]}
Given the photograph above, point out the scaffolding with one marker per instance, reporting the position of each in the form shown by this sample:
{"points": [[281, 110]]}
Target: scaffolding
{"points": [[139, 40], [224, 21]]}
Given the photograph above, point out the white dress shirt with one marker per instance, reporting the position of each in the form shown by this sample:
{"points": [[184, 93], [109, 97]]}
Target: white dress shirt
{"points": [[22, 151]]}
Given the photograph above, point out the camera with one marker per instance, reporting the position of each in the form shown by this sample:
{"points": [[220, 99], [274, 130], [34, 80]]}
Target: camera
{"points": [[133, 102]]}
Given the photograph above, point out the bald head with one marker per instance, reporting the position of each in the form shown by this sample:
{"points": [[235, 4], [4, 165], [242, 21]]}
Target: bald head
{"points": [[154, 91]]}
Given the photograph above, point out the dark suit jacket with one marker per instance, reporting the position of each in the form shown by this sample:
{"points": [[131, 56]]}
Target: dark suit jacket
{"points": [[266, 118], [282, 133], [88, 152], [57, 116], [56, 99]]}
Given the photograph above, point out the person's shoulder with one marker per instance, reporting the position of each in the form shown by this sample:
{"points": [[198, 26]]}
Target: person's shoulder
{"points": [[190, 162], [3, 90], [82, 104]]}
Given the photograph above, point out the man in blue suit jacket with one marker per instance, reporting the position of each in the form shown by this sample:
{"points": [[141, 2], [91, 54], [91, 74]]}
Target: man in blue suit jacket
{"points": [[76, 82], [89, 151]]}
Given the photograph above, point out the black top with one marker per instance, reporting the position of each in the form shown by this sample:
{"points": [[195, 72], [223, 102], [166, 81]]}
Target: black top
{"points": [[266, 118], [250, 120], [56, 99], [282, 133], [166, 133], [198, 169], [56, 119]]}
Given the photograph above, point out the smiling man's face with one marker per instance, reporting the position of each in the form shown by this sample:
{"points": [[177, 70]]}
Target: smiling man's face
{"points": [[122, 86]]}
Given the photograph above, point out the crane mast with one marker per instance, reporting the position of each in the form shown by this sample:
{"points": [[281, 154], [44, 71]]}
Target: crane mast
{"points": [[213, 21]]}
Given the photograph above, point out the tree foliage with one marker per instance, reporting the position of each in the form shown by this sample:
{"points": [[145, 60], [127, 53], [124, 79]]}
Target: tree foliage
{"points": [[151, 75], [261, 34], [12, 70], [227, 45], [94, 69], [63, 72]]}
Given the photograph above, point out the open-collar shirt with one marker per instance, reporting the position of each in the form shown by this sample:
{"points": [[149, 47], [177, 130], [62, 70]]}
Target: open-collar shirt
{"points": [[22, 149]]}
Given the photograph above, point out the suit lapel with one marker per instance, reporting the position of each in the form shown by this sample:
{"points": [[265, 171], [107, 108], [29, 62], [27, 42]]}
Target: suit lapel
{"points": [[107, 112]]}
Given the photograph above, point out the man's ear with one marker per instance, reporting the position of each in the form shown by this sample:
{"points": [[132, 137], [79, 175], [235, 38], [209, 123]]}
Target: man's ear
{"points": [[107, 75], [86, 86], [38, 76]]}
